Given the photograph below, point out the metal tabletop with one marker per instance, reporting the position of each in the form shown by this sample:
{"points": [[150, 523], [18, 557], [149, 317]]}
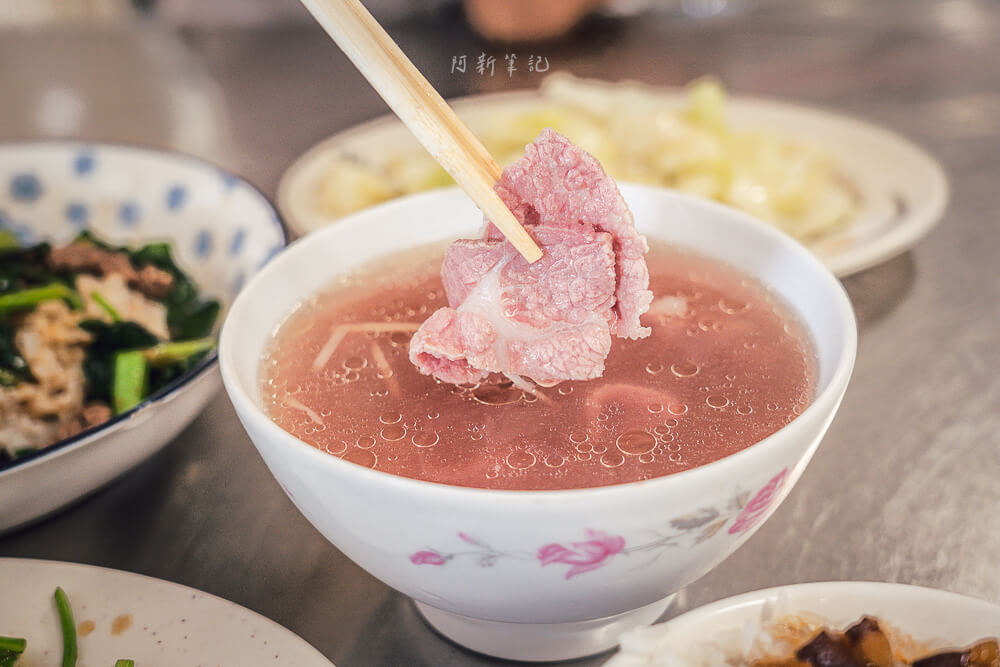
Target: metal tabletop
{"points": [[905, 486]]}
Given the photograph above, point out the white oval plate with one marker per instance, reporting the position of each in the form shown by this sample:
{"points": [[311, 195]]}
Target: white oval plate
{"points": [[903, 191], [939, 618], [167, 624]]}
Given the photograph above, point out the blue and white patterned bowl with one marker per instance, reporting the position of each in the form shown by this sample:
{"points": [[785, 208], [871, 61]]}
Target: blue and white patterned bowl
{"points": [[222, 230]]}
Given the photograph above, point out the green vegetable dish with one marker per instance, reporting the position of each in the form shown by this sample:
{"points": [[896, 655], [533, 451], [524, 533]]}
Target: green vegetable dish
{"points": [[11, 648], [88, 331]]}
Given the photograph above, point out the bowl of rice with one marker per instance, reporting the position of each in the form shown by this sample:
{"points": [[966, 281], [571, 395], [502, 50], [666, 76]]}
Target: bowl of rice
{"points": [[132, 244], [769, 624]]}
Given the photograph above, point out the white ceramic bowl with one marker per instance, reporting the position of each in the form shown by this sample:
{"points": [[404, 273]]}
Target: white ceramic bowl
{"points": [[943, 620], [552, 574], [222, 230]]}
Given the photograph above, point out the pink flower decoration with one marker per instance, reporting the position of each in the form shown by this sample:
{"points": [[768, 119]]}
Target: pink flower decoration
{"points": [[427, 558], [582, 556], [758, 505], [470, 540]]}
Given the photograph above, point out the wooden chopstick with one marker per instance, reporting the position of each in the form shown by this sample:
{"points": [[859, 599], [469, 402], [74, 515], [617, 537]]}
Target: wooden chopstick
{"points": [[422, 109]]}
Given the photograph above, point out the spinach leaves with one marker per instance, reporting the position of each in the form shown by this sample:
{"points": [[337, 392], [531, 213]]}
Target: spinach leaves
{"points": [[27, 277], [108, 340], [13, 368], [24, 267], [188, 315]]}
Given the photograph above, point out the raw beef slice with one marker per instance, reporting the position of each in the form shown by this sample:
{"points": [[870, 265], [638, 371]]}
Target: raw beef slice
{"points": [[551, 320]]}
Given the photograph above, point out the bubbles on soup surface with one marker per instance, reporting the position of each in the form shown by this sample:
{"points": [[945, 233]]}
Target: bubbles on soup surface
{"points": [[724, 368]]}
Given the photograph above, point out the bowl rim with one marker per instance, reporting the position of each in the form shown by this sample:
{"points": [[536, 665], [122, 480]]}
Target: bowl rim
{"points": [[249, 411], [93, 433], [695, 618]]}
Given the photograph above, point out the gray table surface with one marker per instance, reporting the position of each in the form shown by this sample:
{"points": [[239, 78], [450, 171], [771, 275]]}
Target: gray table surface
{"points": [[905, 486]]}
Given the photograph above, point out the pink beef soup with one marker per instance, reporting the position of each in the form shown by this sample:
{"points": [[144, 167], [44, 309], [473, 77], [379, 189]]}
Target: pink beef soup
{"points": [[726, 365]]}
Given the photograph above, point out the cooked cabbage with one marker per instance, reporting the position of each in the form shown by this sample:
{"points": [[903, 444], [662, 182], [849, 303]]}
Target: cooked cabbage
{"points": [[789, 183]]}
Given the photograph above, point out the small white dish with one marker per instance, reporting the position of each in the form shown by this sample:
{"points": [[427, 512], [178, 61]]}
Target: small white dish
{"points": [[221, 229], [538, 575], [902, 189], [942, 619], [151, 621]]}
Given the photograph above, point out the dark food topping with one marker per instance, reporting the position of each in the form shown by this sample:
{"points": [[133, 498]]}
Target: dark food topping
{"points": [[86, 257], [869, 643], [864, 644], [984, 654], [952, 659], [153, 282], [825, 650], [92, 415]]}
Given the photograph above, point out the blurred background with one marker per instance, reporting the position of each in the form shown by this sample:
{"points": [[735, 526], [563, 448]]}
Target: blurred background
{"points": [[252, 83]]}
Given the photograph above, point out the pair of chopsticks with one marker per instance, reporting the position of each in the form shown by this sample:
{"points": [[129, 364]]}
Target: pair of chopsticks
{"points": [[422, 109]]}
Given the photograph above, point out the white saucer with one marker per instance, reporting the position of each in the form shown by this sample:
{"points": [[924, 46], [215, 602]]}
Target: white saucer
{"points": [[903, 190], [154, 622]]}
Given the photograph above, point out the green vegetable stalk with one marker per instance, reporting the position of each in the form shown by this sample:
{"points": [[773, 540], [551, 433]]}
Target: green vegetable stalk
{"points": [[29, 298], [171, 353], [13, 644], [11, 649], [130, 382], [8, 379], [105, 306], [68, 628]]}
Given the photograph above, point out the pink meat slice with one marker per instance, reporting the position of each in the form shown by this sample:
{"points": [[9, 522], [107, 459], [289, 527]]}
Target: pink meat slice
{"points": [[553, 313], [558, 184], [466, 261], [572, 353], [455, 347], [574, 280], [551, 320], [460, 346]]}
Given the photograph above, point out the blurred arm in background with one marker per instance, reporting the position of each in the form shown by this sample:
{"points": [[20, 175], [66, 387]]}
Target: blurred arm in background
{"points": [[499, 20], [526, 20]]}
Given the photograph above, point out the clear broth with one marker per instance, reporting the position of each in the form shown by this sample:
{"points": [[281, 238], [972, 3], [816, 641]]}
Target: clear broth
{"points": [[727, 365]]}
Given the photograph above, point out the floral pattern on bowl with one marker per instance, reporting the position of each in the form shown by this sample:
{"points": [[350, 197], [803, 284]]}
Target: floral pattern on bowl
{"points": [[741, 513]]}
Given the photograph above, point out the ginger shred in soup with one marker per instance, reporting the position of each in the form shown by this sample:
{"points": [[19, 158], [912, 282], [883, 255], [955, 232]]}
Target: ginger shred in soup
{"points": [[726, 365]]}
